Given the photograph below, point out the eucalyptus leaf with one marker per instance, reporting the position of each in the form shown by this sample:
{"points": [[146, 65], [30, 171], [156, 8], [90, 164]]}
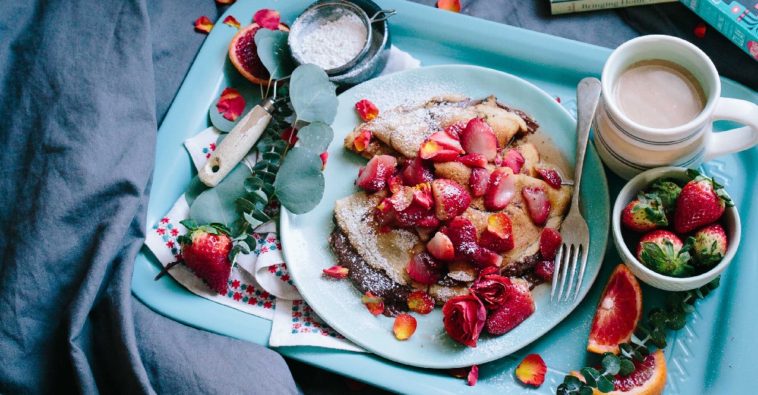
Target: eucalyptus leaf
{"points": [[218, 204], [611, 364], [254, 223], [316, 136], [300, 182], [590, 376], [312, 94], [626, 367], [604, 384], [195, 188], [274, 52]]}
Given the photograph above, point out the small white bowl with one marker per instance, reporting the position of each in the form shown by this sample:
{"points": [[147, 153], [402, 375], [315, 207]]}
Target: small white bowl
{"points": [[731, 222]]}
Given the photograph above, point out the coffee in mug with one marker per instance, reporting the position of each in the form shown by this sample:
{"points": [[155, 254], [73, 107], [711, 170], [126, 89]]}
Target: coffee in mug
{"points": [[659, 94]]}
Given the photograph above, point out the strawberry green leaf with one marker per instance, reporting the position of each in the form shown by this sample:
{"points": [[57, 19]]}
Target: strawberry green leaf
{"points": [[316, 136], [274, 52], [313, 95], [300, 182]]}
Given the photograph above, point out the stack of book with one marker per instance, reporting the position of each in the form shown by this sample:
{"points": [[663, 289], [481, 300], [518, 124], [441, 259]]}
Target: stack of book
{"points": [[735, 19]]}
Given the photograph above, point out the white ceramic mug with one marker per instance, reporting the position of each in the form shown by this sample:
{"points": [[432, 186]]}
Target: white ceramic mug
{"points": [[629, 148]]}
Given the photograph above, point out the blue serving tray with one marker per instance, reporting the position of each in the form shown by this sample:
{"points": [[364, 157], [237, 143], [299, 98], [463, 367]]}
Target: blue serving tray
{"points": [[712, 354]]}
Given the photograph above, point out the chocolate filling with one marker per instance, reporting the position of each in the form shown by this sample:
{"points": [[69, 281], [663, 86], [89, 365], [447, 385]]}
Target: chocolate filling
{"points": [[365, 278]]}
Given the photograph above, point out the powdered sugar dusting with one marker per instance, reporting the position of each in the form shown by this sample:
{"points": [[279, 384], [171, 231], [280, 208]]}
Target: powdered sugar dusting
{"points": [[388, 252]]}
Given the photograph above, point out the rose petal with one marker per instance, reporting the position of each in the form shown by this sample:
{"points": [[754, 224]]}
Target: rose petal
{"points": [[473, 376], [374, 304], [700, 30], [267, 18], [404, 326], [531, 370], [324, 157], [366, 110], [289, 135], [203, 24], [362, 141], [420, 302], [449, 5], [231, 104], [338, 272], [232, 21], [225, 2]]}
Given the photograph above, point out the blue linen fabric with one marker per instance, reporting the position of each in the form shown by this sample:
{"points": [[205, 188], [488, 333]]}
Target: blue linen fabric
{"points": [[84, 86]]}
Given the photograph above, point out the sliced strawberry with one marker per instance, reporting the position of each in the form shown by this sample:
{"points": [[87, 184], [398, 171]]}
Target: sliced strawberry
{"points": [[433, 151], [402, 199], [550, 176], [550, 241], [450, 199], [473, 160], [420, 302], [441, 247], [484, 257], [374, 176], [518, 308], [513, 159], [424, 269], [531, 371], [478, 138], [366, 110], [415, 172], [478, 181], [385, 215], [446, 140], [500, 191], [338, 272], [456, 129], [416, 215], [463, 235], [498, 236], [422, 195], [544, 270], [537, 204], [394, 182]]}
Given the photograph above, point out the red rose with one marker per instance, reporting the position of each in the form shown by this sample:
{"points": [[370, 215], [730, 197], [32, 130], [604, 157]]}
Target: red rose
{"points": [[492, 289], [464, 318]]}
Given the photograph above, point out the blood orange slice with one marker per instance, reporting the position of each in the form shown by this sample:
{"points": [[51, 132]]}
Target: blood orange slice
{"points": [[244, 54], [617, 313], [648, 378]]}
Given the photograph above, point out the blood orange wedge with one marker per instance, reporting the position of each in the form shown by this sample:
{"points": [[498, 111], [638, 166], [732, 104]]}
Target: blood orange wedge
{"points": [[617, 313], [648, 378], [244, 54]]}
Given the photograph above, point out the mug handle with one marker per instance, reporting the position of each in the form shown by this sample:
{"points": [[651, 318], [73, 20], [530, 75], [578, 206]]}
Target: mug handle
{"points": [[734, 140]]}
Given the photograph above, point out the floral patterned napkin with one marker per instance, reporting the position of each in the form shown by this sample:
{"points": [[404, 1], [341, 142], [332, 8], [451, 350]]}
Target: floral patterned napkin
{"points": [[260, 283]]}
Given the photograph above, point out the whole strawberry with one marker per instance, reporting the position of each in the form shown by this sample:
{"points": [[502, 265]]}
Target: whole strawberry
{"points": [[702, 202], [708, 245], [668, 191], [205, 251], [644, 214], [662, 251]]}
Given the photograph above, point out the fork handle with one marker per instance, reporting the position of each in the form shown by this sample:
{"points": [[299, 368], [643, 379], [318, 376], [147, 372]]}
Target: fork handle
{"points": [[587, 97]]}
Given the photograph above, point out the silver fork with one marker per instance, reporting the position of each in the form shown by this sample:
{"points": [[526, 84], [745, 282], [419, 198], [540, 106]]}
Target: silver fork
{"points": [[574, 231]]}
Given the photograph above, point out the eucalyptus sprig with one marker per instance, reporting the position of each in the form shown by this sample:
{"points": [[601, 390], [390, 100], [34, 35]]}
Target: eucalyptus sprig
{"points": [[648, 335]]}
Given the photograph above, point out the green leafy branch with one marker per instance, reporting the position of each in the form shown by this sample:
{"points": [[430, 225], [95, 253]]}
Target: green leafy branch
{"points": [[648, 335]]}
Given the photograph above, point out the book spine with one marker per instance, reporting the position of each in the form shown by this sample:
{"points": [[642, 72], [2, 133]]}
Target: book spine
{"points": [[718, 18], [571, 6]]}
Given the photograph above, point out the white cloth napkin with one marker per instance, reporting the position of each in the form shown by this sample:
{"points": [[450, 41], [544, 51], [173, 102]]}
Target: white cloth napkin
{"points": [[260, 283]]}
